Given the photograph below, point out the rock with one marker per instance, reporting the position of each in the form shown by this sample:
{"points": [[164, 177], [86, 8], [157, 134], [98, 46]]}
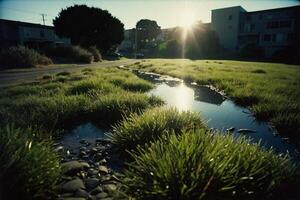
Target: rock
{"points": [[96, 190], [231, 129], [98, 156], [66, 194], [82, 153], [59, 149], [244, 130], [92, 172], [72, 167], [91, 183], [101, 195], [73, 185], [103, 162], [72, 198], [85, 165], [103, 169], [83, 141], [93, 151], [109, 187], [81, 193], [103, 141]]}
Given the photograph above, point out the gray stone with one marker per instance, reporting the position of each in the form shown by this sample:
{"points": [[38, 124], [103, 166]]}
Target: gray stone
{"points": [[244, 130], [109, 187], [231, 129], [103, 169], [96, 190], [101, 195], [103, 162], [73, 185], [81, 193], [92, 172], [91, 183], [72, 167]]}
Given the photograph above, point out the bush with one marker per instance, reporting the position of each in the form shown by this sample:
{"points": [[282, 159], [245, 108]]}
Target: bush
{"points": [[71, 53], [138, 130], [29, 168], [95, 52], [200, 165], [22, 57]]}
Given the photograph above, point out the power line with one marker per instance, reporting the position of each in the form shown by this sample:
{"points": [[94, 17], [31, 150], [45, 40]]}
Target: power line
{"points": [[24, 11]]}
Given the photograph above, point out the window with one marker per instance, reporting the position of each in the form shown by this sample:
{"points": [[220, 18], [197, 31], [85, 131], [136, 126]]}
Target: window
{"points": [[273, 25], [230, 17], [267, 37], [260, 17], [252, 27], [248, 17], [247, 28], [42, 33], [285, 24], [274, 36]]}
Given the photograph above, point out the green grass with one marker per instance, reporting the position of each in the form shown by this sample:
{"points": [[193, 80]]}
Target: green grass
{"points": [[270, 90], [74, 98], [200, 165], [29, 168], [139, 130]]}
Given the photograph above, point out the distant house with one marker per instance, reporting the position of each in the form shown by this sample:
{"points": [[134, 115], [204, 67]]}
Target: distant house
{"points": [[29, 34], [271, 29]]}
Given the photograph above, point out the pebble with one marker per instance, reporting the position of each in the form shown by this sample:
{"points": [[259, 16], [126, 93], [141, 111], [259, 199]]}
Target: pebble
{"points": [[109, 187], [244, 130], [73, 185], [91, 183], [103, 169], [81, 193], [101, 195], [96, 190], [72, 167]]}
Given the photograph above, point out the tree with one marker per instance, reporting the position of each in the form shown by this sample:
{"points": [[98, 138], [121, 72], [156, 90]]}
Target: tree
{"points": [[89, 26], [147, 31]]}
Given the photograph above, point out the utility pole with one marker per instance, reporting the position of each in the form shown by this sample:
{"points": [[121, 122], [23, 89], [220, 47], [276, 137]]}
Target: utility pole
{"points": [[135, 56], [43, 16]]}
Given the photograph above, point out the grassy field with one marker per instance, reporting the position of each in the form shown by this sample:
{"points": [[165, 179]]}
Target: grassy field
{"points": [[271, 91], [171, 154], [31, 113]]}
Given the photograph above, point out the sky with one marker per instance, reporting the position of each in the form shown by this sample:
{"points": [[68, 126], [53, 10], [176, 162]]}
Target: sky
{"points": [[167, 13]]}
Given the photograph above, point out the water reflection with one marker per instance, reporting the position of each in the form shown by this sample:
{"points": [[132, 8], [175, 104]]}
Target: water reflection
{"points": [[87, 131], [219, 113]]}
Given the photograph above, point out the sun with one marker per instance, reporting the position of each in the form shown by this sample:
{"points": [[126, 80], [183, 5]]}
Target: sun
{"points": [[187, 19]]}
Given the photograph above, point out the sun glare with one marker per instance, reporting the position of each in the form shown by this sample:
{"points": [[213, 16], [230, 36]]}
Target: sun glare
{"points": [[187, 19]]}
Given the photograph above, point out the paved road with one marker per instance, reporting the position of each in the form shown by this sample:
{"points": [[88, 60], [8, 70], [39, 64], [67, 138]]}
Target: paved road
{"points": [[17, 76]]}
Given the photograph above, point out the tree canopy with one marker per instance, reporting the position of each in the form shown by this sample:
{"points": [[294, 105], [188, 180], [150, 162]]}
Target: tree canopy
{"points": [[89, 26], [148, 30]]}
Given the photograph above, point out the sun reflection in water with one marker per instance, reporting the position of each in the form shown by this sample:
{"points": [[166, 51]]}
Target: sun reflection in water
{"points": [[182, 97]]}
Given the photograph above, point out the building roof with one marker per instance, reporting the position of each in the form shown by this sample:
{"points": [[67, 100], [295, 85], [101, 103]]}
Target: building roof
{"points": [[276, 9], [18, 23]]}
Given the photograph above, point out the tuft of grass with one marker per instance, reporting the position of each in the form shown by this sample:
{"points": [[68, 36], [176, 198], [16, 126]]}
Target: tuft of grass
{"points": [[270, 90], [134, 84], [139, 130], [64, 73], [67, 100], [200, 165], [29, 167]]}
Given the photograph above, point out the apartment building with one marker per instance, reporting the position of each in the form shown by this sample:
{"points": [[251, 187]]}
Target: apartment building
{"points": [[35, 35], [272, 29]]}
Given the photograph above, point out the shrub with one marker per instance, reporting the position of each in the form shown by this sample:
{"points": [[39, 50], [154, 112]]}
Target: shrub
{"points": [[71, 53], [29, 168], [138, 130], [22, 57], [95, 52], [200, 165], [259, 71]]}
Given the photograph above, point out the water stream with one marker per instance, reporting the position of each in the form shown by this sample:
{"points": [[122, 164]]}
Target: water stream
{"points": [[217, 111]]}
